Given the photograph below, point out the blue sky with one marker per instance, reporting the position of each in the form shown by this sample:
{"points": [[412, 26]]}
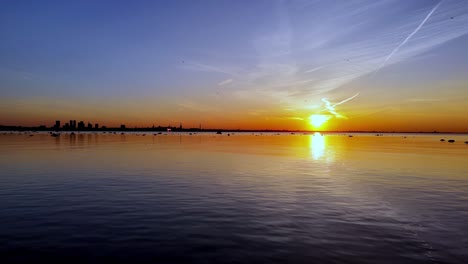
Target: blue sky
{"points": [[250, 59]]}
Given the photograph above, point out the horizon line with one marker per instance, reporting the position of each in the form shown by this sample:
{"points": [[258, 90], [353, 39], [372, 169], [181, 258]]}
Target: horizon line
{"points": [[177, 129]]}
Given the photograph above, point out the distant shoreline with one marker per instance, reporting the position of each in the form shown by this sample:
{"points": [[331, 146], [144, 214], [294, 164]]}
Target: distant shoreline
{"points": [[174, 129]]}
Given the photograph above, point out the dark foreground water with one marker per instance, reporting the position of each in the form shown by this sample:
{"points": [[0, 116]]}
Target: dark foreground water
{"points": [[268, 198]]}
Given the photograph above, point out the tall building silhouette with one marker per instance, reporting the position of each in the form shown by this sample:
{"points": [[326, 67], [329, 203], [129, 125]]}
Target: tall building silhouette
{"points": [[81, 125]]}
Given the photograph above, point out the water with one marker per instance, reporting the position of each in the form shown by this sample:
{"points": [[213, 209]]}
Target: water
{"points": [[261, 198]]}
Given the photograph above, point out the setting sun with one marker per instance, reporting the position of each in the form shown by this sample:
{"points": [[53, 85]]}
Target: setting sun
{"points": [[318, 120]]}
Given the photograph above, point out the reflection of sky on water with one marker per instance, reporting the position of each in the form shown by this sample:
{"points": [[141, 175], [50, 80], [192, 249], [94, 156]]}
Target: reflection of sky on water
{"points": [[274, 193]]}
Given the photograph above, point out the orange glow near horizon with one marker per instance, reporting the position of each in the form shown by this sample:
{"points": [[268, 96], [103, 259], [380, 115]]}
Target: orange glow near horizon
{"points": [[369, 123], [439, 117]]}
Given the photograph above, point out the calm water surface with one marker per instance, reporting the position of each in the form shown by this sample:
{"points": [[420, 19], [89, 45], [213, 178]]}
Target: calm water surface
{"points": [[242, 198]]}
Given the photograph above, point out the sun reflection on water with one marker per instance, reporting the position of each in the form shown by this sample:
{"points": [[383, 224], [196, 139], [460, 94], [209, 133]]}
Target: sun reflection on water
{"points": [[317, 145]]}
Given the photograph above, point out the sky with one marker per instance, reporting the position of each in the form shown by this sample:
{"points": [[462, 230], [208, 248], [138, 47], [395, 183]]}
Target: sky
{"points": [[390, 65]]}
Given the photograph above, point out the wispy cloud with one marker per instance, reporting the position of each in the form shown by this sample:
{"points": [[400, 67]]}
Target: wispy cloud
{"points": [[208, 68], [410, 35], [294, 118], [331, 108], [315, 69], [342, 43], [225, 82], [423, 100]]}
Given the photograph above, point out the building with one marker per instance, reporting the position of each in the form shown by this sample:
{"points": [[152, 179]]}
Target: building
{"points": [[96, 126], [81, 125], [72, 124], [57, 124]]}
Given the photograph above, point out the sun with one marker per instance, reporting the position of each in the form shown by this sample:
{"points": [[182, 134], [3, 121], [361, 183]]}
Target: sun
{"points": [[318, 120]]}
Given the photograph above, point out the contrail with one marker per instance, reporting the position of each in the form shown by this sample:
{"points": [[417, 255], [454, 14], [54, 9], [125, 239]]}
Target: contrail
{"points": [[346, 100], [410, 35], [331, 107], [315, 69]]}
